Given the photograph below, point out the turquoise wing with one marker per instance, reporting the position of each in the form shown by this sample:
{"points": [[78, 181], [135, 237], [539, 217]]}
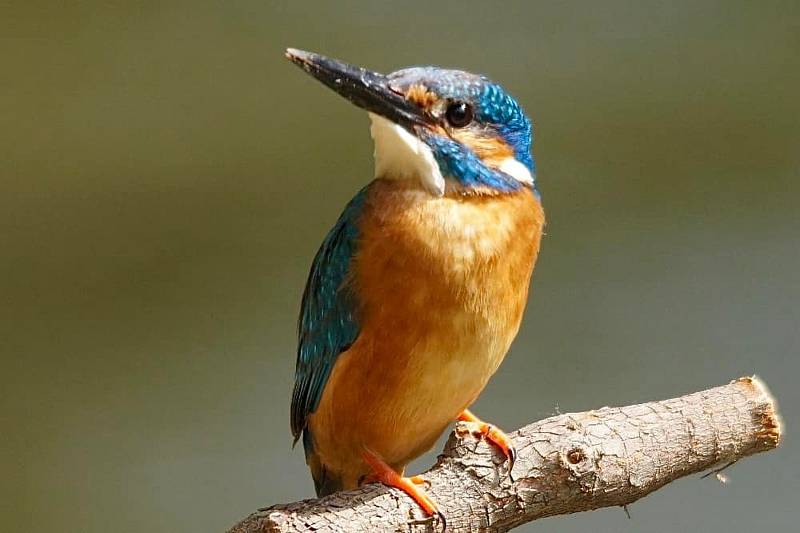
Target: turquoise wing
{"points": [[328, 324]]}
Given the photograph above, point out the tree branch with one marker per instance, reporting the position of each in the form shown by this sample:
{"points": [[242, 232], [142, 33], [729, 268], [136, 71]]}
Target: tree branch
{"points": [[566, 464]]}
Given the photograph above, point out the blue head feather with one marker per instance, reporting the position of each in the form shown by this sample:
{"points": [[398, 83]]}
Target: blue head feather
{"points": [[498, 107]]}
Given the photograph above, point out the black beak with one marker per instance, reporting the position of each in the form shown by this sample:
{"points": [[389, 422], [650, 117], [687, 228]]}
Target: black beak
{"points": [[366, 89]]}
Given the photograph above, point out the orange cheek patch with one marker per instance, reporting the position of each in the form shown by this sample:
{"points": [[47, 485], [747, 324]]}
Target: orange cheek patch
{"points": [[420, 95], [491, 150]]}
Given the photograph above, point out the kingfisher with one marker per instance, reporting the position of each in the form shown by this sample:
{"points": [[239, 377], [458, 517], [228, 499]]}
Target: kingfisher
{"points": [[418, 290]]}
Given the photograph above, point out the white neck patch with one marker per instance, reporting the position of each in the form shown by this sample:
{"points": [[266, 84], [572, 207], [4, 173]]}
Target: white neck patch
{"points": [[400, 155], [516, 170]]}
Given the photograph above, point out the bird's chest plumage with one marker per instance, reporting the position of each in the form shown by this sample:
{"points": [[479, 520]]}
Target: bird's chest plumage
{"points": [[442, 285], [453, 269]]}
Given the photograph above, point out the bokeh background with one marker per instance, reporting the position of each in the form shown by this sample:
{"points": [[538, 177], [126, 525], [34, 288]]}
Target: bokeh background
{"points": [[166, 177]]}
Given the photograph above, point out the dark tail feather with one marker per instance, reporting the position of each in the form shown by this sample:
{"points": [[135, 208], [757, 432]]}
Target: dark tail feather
{"points": [[325, 481]]}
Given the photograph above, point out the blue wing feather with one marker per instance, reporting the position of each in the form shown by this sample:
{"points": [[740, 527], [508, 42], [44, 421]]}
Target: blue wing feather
{"points": [[328, 324]]}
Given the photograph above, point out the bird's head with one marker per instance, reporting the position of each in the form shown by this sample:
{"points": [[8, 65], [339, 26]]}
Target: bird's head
{"points": [[449, 130]]}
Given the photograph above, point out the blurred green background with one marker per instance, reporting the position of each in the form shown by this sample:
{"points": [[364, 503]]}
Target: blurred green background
{"points": [[166, 177]]}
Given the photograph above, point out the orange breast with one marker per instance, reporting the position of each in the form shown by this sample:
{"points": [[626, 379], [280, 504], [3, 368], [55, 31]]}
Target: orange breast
{"points": [[443, 283]]}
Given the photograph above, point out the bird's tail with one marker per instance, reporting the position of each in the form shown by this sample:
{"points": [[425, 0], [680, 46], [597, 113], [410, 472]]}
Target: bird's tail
{"points": [[325, 481]]}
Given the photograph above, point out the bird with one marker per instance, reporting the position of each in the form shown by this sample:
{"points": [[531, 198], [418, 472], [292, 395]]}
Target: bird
{"points": [[417, 292]]}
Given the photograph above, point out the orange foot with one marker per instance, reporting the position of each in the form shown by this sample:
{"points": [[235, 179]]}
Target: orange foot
{"points": [[492, 434], [383, 473]]}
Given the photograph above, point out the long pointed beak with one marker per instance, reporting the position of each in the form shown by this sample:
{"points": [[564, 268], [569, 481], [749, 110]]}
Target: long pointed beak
{"points": [[366, 89]]}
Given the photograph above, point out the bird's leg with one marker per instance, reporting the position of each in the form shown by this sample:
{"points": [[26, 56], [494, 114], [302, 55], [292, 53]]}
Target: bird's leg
{"points": [[490, 433], [383, 473]]}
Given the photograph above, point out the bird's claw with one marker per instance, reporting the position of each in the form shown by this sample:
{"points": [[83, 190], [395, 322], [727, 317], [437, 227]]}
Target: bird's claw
{"points": [[443, 520], [492, 434], [500, 439]]}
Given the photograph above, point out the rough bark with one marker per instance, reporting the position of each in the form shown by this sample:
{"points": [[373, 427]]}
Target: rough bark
{"points": [[566, 464]]}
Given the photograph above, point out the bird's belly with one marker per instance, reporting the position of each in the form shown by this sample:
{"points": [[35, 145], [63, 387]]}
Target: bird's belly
{"points": [[395, 398], [441, 378]]}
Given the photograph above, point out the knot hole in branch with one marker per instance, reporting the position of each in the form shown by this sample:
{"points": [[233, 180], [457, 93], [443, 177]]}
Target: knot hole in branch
{"points": [[575, 456]]}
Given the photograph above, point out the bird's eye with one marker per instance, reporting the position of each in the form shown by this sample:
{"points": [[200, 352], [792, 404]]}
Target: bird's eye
{"points": [[459, 114]]}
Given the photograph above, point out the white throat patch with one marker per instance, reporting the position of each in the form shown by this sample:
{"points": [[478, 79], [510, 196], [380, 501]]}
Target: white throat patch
{"points": [[400, 155], [516, 170]]}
